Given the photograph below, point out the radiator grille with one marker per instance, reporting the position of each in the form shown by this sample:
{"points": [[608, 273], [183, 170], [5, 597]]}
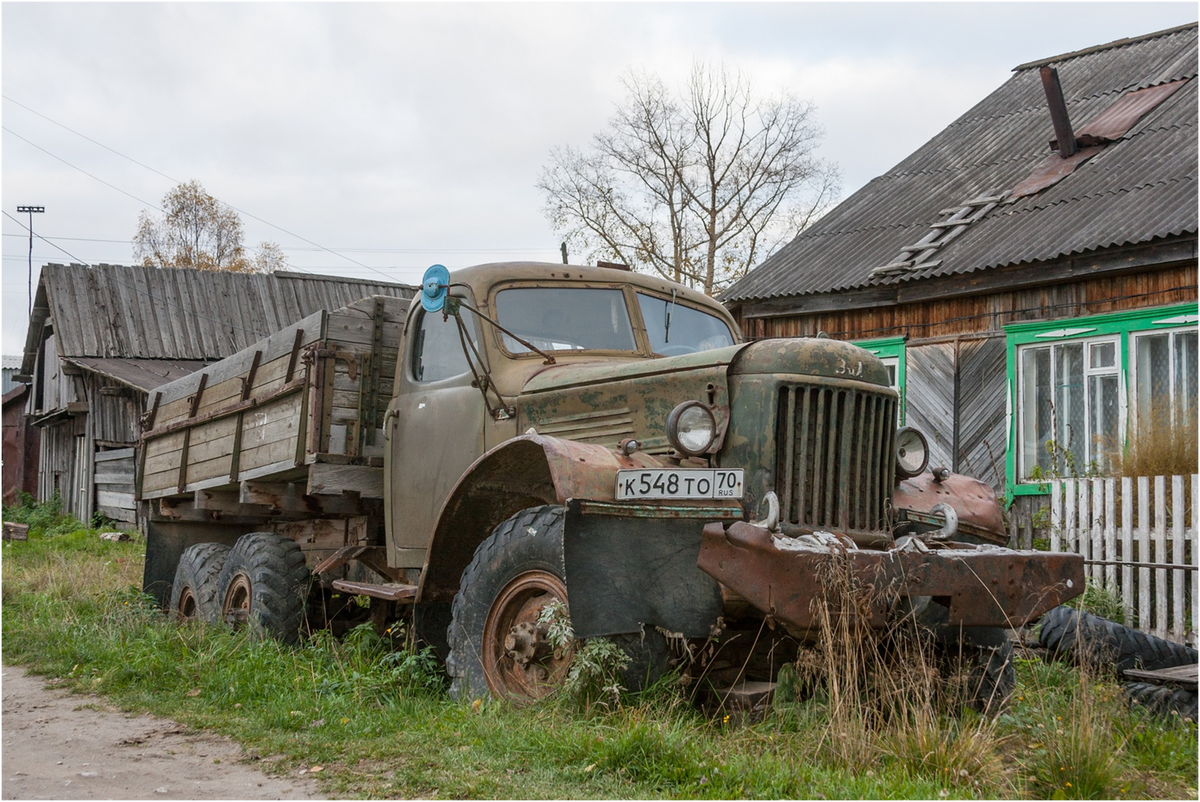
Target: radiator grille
{"points": [[835, 458]]}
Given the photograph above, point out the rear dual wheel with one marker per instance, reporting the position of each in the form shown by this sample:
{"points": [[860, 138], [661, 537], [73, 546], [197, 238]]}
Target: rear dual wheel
{"points": [[196, 592], [263, 586]]}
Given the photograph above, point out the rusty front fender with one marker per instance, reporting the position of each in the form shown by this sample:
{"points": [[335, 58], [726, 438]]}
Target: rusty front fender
{"points": [[989, 587], [974, 501], [519, 473]]}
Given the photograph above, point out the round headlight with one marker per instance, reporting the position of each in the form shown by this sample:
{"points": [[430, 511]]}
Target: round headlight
{"points": [[691, 428], [912, 452]]}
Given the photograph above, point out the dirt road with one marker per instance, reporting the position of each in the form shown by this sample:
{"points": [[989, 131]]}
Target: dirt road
{"points": [[60, 746]]}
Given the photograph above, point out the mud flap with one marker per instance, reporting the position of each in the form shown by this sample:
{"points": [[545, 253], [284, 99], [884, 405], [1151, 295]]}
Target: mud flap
{"points": [[627, 570]]}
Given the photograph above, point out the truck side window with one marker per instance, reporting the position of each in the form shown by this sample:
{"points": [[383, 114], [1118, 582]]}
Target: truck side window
{"points": [[437, 351]]}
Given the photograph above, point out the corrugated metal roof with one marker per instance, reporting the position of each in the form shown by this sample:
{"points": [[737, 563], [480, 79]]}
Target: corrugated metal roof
{"points": [[1138, 189], [116, 311]]}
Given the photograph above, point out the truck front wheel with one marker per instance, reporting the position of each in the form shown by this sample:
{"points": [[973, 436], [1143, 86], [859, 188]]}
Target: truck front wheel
{"points": [[264, 586], [502, 636]]}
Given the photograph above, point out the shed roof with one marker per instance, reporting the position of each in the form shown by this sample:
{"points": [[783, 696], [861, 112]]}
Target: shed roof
{"points": [[121, 312], [1140, 188]]}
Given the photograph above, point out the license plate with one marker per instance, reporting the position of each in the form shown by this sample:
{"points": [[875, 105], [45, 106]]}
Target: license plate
{"points": [[680, 483]]}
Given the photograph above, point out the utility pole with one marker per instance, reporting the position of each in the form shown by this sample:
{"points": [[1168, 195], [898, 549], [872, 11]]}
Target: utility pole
{"points": [[32, 210]]}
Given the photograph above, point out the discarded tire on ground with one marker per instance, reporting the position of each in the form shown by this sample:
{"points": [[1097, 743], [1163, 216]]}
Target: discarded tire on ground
{"points": [[264, 586], [195, 593], [1100, 644], [1163, 700]]}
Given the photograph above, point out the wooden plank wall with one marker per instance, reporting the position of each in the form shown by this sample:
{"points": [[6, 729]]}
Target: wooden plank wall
{"points": [[115, 411], [58, 387], [988, 312], [982, 401], [113, 479], [956, 396], [56, 462], [930, 399]]}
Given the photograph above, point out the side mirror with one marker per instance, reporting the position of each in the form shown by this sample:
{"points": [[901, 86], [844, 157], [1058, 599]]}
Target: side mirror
{"points": [[434, 286]]}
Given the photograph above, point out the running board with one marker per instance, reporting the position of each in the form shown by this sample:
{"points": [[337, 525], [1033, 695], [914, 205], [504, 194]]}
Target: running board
{"points": [[388, 591]]}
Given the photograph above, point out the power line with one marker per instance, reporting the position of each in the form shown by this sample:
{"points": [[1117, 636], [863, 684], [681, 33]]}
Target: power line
{"points": [[139, 291], [298, 248], [80, 169], [177, 181]]}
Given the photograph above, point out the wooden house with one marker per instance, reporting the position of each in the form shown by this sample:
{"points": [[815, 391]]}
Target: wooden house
{"points": [[102, 337], [1029, 273]]}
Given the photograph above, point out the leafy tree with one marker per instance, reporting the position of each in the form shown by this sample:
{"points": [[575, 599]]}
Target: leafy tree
{"points": [[698, 187], [199, 232]]}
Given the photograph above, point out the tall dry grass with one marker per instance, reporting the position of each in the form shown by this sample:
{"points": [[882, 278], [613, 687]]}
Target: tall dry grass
{"points": [[1158, 446], [890, 692]]}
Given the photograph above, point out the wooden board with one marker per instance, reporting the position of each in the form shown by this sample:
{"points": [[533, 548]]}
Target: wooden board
{"points": [[1183, 676]]}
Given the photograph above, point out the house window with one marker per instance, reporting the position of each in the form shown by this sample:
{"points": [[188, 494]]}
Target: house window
{"points": [[1079, 388], [1070, 405], [1165, 377]]}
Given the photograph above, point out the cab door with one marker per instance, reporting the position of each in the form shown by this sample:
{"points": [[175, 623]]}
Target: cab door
{"points": [[434, 429]]}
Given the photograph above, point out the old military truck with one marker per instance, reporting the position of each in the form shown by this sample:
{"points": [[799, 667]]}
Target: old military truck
{"points": [[524, 434]]}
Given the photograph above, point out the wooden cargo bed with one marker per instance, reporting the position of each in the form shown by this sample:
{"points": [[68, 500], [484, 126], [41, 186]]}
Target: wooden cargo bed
{"points": [[303, 409]]}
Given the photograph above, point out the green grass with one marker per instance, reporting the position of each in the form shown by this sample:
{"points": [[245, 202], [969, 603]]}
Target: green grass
{"points": [[373, 714]]}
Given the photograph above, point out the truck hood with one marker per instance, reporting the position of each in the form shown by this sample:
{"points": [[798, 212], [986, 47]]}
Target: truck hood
{"points": [[583, 374], [810, 357]]}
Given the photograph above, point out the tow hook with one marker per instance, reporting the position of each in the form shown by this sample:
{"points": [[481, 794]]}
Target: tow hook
{"points": [[950, 527], [771, 522]]}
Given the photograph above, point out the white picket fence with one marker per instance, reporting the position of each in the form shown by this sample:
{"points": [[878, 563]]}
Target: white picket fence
{"points": [[1135, 542]]}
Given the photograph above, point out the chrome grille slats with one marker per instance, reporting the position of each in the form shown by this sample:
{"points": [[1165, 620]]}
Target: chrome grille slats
{"points": [[833, 457]]}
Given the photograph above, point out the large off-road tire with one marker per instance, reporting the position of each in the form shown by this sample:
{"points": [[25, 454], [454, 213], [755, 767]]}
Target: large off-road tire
{"points": [[195, 593], [264, 586], [1101, 644], [514, 575], [1162, 700], [496, 645], [982, 658], [977, 661]]}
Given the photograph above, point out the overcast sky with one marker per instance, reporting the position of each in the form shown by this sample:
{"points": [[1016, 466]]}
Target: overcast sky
{"points": [[401, 134]]}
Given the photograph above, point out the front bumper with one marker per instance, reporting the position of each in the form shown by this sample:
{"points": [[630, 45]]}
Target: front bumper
{"points": [[981, 586]]}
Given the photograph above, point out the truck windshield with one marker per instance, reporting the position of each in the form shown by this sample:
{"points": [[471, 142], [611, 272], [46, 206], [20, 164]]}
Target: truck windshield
{"points": [[565, 319], [677, 329]]}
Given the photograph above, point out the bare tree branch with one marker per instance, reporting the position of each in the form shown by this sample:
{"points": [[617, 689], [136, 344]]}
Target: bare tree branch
{"points": [[695, 189]]}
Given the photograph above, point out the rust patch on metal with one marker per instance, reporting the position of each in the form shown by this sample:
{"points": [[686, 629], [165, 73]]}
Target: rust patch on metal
{"points": [[975, 502], [983, 587]]}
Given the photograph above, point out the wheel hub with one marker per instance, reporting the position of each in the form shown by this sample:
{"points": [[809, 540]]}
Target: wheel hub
{"points": [[519, 658], [235, 610]]}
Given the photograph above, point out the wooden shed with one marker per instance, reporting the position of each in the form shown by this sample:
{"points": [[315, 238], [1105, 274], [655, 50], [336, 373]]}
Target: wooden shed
{"points": [[1030, 277], [102, 337], [20, 455]]}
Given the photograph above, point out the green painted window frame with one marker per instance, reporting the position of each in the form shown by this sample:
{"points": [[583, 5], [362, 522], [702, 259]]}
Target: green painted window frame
{"points": [[1123, 325], [890, 348]]}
